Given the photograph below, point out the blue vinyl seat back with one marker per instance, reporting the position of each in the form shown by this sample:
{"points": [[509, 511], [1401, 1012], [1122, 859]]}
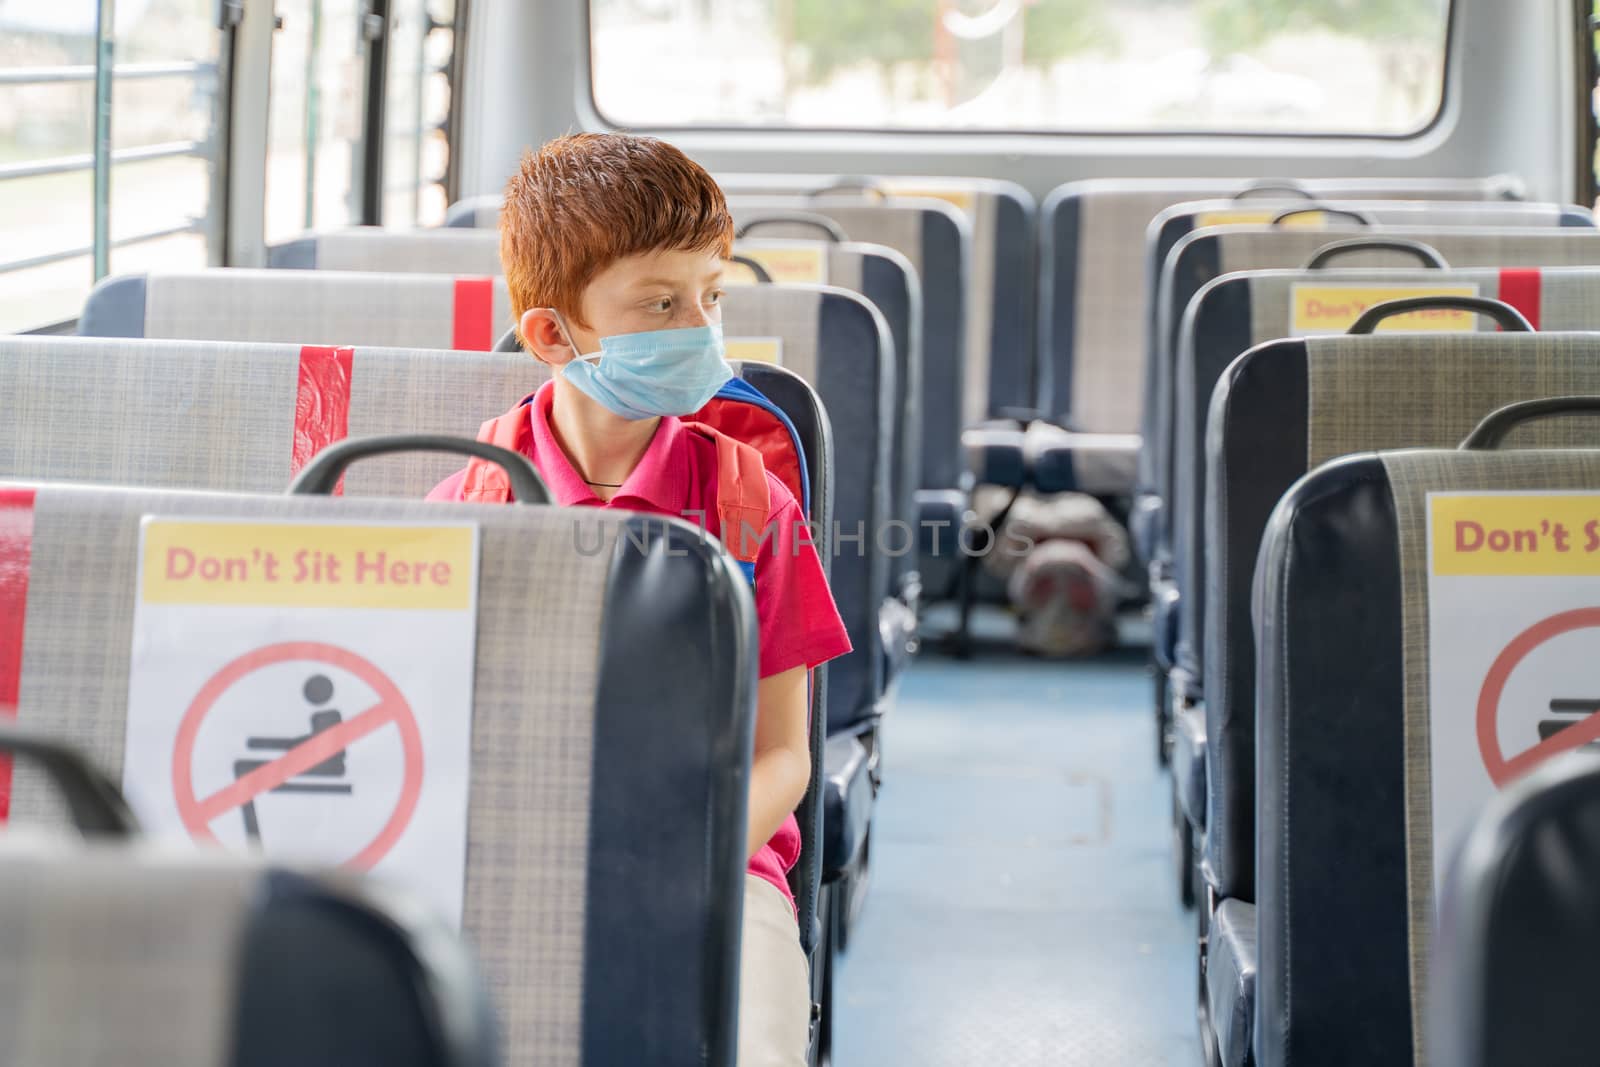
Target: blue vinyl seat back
{"points": [[1333, 217], [1208, 254], [936, 239], [1286, 407], [1095, 297], [885, 278], [1238, 311], [1000, 314], [1345, 923], [839, 345]]}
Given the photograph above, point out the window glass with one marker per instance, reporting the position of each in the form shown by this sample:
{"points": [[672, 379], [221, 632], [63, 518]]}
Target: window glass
{"points": [[160, 198], [417, 104], [314, 124], [163, 119], [1275, 66]]}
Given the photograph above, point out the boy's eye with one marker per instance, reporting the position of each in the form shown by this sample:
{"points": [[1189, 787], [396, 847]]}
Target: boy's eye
{"points": [[714, 297], [662, 305]]}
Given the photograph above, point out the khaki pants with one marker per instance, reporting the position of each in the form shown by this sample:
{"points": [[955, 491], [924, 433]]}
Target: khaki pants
{"points": [[774, 981]]}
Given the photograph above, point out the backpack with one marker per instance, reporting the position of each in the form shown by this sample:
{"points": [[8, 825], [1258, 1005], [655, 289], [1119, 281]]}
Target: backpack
{"points": [[752, 436]]}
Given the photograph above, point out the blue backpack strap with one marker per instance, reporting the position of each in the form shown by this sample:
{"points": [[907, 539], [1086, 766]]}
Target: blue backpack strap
{"points": [[740, 390]]}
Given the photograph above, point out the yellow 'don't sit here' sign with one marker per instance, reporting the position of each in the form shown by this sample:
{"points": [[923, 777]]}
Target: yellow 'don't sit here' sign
{"points": [[1513, 637], [755, 349], [804, 263], [305, 690], [1322, 309]]}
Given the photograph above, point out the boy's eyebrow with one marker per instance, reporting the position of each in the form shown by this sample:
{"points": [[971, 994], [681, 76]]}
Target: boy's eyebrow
{"points": [[667, 283]]}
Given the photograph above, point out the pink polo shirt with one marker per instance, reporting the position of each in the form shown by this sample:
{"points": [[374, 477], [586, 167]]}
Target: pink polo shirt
{"points": [[677, 476]]}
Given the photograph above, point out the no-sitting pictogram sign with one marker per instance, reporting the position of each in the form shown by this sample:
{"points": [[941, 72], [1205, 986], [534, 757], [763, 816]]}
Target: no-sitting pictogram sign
{"points": [[1556, 734], [306, 754], [1513, 649], [305, 690]]}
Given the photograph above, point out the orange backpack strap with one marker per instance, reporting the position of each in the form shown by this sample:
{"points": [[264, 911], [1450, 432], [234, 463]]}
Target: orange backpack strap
{"points": [[487, 483], [743, 497]]}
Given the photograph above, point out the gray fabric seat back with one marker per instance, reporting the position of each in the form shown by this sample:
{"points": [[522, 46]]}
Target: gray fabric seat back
{"points": [[1238, 311], [839, 344], [1208, 254], [1004, 221], [239, 417], [1332, 217], [935, 238], [302, 307], [1281, 410], [108, 938], [584, 618], [1003, 214], [1094, 297], [887, 281], [277, 405], [1346, 888], [377, 250]]}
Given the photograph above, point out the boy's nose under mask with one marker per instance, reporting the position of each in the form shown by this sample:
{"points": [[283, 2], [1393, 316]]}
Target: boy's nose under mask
{"points": [[657, 372]]}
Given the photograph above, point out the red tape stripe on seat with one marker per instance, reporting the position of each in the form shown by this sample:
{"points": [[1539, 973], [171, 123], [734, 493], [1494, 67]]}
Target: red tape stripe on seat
{"points": [[16, 556], [321, 404], [1521, 289], [474, 315]]}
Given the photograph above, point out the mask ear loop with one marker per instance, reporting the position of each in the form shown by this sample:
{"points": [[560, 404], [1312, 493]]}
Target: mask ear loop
{"points": [[567, 335]]}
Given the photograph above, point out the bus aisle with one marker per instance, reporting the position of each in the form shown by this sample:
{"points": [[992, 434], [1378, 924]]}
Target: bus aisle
{"points": [[1022, 909]]}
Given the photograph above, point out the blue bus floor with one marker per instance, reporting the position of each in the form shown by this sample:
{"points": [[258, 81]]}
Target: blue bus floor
{"points": [[1022, 908]]}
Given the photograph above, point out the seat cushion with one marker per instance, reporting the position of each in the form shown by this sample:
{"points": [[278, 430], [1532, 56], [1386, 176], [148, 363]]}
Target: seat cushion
{"points": [[897, 627], [995, 455], [1164, 604], [1189, 760], [1231, 980], [1104, 464], [940, 515], [847, 803]]}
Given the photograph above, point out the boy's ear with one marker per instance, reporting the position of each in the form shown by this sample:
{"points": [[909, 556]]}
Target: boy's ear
{"points": [[543, 336]]}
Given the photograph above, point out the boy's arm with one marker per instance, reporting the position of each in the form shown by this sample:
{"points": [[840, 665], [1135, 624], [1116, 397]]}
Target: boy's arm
{"points": [[782, 766]]}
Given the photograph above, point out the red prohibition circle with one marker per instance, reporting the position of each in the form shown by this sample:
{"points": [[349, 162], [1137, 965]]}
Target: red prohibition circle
{"points": [[394, 707], [1501, 769]]}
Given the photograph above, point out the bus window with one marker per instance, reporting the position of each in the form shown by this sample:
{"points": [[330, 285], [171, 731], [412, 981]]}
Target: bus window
{"points": [[1374, 67], [415, 154], [315, 117], [155, 208]]}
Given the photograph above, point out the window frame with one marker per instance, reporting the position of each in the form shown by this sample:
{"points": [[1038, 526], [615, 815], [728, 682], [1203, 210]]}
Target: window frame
{"points": [[103, 156], [1435, 122], [1586, 68]]}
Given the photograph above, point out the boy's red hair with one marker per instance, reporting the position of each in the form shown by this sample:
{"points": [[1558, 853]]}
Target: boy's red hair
{"points": [[582, 202]]}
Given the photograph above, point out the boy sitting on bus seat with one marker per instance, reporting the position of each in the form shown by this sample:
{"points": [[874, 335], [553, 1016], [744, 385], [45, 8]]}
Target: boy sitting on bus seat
{"points": [[613, 248]]}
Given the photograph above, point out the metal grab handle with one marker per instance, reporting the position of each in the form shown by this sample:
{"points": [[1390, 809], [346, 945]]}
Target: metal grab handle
{"points": [[754, 267], [1428, 255], [319, 476], [1344, 212], [1273, 185], [98, 809], [833, 230], [1510, 319], [509, 342], [854, 184], [1492, 431]]}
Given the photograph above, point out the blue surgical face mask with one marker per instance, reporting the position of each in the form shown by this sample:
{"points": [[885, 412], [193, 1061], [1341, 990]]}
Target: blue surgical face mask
{"points": [[658, 372]]}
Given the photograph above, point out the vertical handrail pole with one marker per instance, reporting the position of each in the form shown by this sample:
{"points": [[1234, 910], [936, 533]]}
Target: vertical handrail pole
{"points": [[104, 55]]}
